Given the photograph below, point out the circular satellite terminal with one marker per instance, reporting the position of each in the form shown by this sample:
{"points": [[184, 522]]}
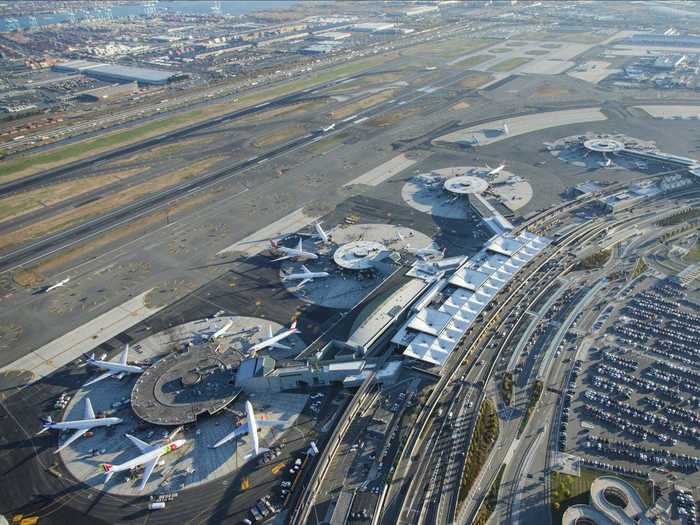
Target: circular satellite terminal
{"points": [[181, 386], [602, 145], [358, 255], [465, 185]]}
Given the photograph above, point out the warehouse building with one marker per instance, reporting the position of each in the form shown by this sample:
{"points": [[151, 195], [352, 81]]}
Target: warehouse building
{"points": [[117, 73]]}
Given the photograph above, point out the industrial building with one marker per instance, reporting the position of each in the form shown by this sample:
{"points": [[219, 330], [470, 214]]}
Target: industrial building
{"points": [[117, 73]]}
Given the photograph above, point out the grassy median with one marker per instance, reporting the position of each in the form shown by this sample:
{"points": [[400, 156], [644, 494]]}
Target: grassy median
{"points": [[483, 440]]}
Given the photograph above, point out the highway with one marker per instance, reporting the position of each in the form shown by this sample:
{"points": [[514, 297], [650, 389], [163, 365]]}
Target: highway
{"points": [[490, 353]]}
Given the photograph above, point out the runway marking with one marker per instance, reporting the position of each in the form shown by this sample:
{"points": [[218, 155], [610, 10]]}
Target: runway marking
{"points": [[383, 172]]}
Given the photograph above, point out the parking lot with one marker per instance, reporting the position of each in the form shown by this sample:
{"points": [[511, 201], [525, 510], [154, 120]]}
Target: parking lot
{"points": [[633, 405]]}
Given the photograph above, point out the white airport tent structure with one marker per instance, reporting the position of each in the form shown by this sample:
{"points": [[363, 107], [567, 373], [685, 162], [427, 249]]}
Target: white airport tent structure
{"points": [[452, 305]]}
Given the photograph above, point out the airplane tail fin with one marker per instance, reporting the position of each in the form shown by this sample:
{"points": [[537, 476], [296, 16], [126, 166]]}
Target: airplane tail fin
{"points": [[274, 244], [46, 423], [107, 469]]}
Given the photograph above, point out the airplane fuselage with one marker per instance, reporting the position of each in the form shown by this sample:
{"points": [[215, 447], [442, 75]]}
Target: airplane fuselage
{"points": [[252, 427], [85, 423], [272, 340], [117, 367], [148, 456], [310, 275]]}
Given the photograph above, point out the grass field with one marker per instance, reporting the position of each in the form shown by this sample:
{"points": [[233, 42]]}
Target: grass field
{"points": [[510, 64], [500, 50], [473, 61], [448, 49], [476, 80], [22, 203], [34, 275], [537, 52], [571, 490], [30, 164], [280, 135], [361, 104], [93, 209]]}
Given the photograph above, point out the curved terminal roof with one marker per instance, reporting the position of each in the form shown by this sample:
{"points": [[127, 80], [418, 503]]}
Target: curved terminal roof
{"points": [[441, 320], [359, 255], [465, 185]]}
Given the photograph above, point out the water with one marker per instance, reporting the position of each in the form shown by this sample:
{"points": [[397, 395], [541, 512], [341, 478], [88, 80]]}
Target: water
{"points": [[228, 7]]}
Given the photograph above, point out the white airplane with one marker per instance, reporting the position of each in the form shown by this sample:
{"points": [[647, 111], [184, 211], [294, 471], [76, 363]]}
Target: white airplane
{"points": [[272, 341], [504, 129], [81, 426], [306, 276], [429, 252], [292, 253], [58, 284], [113, 369], [221, 332], [326, 129], [319, 234], [474, 141], [249, 427], [495, 171], [150, 454]]}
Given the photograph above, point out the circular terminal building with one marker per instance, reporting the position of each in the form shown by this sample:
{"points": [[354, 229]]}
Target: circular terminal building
{"points": [[465, 185], [358, 255], [181, 386], [603, 145]]}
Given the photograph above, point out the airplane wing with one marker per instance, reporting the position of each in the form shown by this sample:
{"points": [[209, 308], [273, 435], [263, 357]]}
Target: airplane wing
{"points": [[99, 378], [78, 433], [88, 413], [280, 346], [142, 445], [269, 331], [238, 431], [147, 471], [125, 355], [302, 283], [284, 257], [305, 269]]}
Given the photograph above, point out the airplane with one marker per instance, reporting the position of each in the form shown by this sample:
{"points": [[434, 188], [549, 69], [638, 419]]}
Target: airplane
{"points": [[495, 171], [81, 426], [113, 369], [150, 454], [319, 234], [428, 252], [58, 284], [606, 164], [249, 427], [272, 341], [326, 129], [221, 332], [306, 275], [292, 253], [504, 129]]}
